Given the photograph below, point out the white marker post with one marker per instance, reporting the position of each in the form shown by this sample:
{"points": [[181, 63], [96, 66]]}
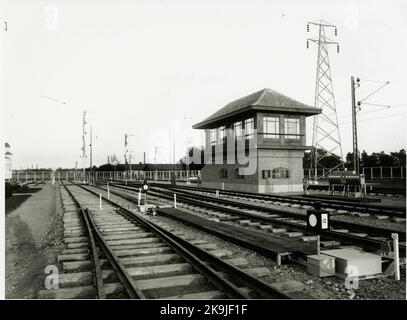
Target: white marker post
{"points": [[108, 191], [100, 202], [139, 197], [217, 193], [175, 200], [318, 245], [223, 186], [395, 237]]}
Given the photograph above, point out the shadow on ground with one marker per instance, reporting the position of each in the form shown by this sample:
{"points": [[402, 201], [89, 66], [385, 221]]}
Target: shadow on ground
{"points": [[17, 199], [29, 190]]}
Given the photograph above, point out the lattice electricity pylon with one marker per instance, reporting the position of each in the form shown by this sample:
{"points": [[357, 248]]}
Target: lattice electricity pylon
{"points": [[326, 140]]}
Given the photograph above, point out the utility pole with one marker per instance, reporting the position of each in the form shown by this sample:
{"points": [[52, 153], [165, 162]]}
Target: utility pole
{"points": [[84, 146], [326, 137], [90, 145], [354, 127], [90, 157], [130, 156], [357, 107], [126, 150], [188, 145], [173, 147]]}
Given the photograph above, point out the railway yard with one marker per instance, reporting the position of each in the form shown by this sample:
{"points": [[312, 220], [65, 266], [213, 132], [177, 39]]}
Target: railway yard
{"points": [[111, 241], [208, 159]]}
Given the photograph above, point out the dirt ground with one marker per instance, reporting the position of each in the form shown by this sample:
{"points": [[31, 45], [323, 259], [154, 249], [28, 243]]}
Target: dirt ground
{"points": [[33, 238]]}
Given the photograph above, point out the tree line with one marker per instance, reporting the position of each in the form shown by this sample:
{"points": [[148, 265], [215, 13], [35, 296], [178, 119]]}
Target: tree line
{"points": [[375, 159]]}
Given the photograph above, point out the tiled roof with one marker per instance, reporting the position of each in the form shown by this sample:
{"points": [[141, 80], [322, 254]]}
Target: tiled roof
{"points": [[263, 100]]}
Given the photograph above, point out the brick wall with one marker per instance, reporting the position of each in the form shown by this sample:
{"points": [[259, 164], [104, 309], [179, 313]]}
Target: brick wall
{"points": [[210, 176], [288, 159]]}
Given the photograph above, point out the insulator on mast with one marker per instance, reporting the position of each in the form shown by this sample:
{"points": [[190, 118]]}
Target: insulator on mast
{"points": [[307, 27], [307, 44], [336, 31], [337, 48]]}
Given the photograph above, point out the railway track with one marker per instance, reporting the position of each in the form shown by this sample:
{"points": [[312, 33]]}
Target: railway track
{"points": [[335, 204], [283, 223], [373, 190], [116, 253]]}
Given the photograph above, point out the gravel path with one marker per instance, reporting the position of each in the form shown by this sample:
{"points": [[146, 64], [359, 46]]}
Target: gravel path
{"points": [[33, 237]]}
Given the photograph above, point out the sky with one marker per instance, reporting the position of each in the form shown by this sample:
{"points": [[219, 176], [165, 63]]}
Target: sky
{"points": [[153, 68]]}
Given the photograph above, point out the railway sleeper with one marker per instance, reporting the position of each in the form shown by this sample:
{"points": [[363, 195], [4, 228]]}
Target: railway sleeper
{"points": [[112, 290]]}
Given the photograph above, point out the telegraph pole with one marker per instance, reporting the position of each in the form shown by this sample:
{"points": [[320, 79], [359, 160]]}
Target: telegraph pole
{"points": [[354, 127], [126, 150], [90, 157], [90, 145], [130, 156], [355, 108], [188, 145], [84, 146]]}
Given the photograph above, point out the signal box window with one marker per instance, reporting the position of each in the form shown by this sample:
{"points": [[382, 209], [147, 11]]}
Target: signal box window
{"points": [[271, 127], [280, 173], [266, 174]]}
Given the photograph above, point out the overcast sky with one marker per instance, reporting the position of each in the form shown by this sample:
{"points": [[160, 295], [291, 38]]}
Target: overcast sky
{"points": [[151, 68]]}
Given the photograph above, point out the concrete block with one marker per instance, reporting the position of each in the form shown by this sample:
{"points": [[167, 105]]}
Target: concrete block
{"points": [[321, 265], [365, 263]]}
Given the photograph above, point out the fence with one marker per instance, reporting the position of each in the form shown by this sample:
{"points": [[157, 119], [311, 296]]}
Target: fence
{"points": [[382, 173], [180, 175]]}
